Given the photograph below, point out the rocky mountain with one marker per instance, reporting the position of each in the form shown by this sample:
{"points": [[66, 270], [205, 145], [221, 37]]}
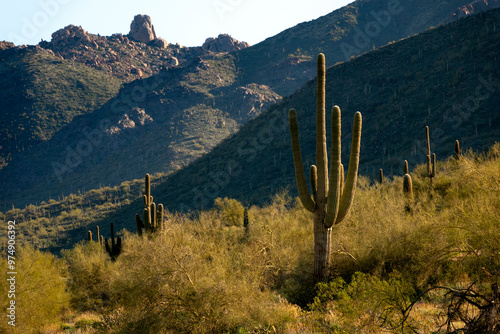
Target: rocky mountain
{"points": [[159, 123], [224, 81], [446, 78]]}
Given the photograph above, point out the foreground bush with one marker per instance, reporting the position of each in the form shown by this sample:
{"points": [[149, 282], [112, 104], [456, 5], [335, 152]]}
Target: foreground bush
{"points": [[40, 292]]}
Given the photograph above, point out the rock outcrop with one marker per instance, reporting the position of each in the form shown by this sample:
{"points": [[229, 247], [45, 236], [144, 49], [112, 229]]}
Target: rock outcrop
{"points": [[141, 29], [472, 8], [223, 43], [72, 35], [159, 42], [136, 117], [4, 45]]}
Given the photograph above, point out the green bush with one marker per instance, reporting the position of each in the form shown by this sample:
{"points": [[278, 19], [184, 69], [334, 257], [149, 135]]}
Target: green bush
{"points": [[40, 291], [90, 273], [230, 210]]}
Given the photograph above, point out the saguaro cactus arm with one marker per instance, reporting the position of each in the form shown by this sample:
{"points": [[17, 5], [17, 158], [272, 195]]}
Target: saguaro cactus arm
{"points": [[352, 171], [334, 192], [300, 174], [313, 175]]}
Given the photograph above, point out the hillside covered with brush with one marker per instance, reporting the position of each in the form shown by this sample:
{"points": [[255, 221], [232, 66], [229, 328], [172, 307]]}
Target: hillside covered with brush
{"points": [[42, 93], [432, 268]]}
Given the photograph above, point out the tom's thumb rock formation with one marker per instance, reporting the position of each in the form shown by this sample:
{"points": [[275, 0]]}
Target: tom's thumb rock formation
{"points": [[141, 29], [223, 43]]}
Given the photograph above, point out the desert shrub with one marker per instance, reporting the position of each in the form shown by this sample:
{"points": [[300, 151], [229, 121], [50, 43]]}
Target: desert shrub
{"points": [[196, 277], [90, 272], [365, 305], [40, 291], [230, 210]]}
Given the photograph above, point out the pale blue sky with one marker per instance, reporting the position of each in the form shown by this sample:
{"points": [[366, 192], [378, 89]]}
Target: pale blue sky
{"points": [[187, 22]]}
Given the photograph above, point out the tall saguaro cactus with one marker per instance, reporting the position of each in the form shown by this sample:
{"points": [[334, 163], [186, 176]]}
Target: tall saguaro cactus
{"points": [[331, 198]]}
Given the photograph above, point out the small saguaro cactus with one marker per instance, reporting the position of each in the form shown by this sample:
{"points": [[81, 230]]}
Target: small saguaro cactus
{"points": [[89, 236], [331, 199], [116, 247], [152, 216], [431, 158], [408, 191], [98, 235], [246, 223], [381, 176], [457, 150], [405, 168]]}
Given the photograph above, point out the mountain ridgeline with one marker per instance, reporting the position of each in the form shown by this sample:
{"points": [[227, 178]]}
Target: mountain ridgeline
{"points": [[446, 78]]}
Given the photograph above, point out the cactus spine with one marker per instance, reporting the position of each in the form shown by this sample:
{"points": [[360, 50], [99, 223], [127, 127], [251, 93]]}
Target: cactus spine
{"points": [[331, 199]]}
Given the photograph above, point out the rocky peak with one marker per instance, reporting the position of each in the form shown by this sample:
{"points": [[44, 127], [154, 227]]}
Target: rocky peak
{"points": [[4, 45], [71, 35], [142, 29], [223, 43]]}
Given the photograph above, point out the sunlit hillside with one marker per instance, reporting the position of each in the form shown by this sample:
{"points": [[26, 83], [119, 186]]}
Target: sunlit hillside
{"points": [[427, 265]]}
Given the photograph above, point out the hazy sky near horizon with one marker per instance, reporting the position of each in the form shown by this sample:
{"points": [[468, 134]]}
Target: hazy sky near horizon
{"points": [[187, 22]]}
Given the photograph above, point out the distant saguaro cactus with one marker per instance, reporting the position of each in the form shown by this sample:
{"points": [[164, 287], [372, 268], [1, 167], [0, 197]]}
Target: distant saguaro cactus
{"points": [[405, 168], [152, 216], [246, 223], [331, 199], [98, 234], [115, 248], [408, 191], [89, 236], [457, 150], [431, 158], [381, 176]]}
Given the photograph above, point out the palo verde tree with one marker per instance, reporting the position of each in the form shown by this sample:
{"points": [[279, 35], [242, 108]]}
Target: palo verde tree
{"points": [[331, 199]]}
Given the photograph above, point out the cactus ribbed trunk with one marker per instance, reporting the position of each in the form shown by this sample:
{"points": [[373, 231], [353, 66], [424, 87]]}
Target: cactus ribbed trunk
{"points": [[322, 248]]}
